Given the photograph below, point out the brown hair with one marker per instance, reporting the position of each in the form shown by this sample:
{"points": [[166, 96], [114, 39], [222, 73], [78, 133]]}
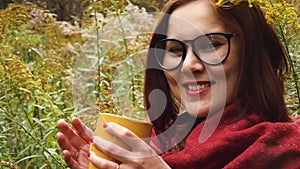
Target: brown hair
{"points": [[260, 85]]}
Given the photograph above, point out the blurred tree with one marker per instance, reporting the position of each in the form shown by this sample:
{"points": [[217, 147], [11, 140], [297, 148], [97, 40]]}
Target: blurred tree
{"points": [[4, 3], [63, 8], [67, 10]]}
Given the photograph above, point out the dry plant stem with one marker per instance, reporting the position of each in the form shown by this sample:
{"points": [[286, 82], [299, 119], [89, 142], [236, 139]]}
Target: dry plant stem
{"points": [[127, 54], [98, 89], [294, 74], [10, 165], [290, 60]]}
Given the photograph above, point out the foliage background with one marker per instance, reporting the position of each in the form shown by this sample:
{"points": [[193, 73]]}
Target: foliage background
{"points": [[41, 42]]}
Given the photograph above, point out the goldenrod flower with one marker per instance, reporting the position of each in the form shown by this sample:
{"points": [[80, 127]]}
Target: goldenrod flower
{"points": [[278, 13]]}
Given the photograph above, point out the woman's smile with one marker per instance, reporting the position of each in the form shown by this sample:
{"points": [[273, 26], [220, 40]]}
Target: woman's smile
{"points": [[197, 88]]}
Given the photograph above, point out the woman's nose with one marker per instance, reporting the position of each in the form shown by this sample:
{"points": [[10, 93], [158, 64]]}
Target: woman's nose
{"points": [[191, 62]]}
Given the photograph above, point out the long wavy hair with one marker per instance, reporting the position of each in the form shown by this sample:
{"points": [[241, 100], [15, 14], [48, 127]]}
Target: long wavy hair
{"points": [[262, 66]]}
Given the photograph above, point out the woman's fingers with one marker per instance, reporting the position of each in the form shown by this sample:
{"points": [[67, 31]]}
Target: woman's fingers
{"points": [[117, 152], [65, 145], [76, 163], [138, 155], [72, 163], [83, 131], [128, 137], [80, 161], [101, 162], [73, 138], [74, 143], [112, 149], [129, 159], [137, 148]]}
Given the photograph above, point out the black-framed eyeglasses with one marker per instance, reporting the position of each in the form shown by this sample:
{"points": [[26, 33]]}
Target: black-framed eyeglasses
{"points": [[211, 49]]}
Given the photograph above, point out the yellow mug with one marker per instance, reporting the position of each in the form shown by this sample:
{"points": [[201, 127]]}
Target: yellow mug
{"points": [[141, 128]]}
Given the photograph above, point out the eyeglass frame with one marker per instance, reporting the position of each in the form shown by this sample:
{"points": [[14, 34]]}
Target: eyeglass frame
{"points": [[183, 43]]}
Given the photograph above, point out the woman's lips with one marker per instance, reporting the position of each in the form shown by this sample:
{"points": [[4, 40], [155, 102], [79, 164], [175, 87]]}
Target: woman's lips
{"points": [[197, 88]]}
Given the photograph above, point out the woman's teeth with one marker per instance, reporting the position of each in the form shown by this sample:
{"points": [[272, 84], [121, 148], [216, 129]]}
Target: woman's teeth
{"points": [[197, 87]]}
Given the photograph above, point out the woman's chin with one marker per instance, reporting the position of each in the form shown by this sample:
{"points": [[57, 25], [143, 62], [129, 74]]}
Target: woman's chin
{"points": [[197, 110]]}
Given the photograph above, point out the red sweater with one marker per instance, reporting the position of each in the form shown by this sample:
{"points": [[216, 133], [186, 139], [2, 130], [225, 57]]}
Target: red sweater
{"points": [[240, 143]]}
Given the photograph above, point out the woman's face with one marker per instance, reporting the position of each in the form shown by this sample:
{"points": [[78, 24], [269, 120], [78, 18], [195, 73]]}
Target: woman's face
{"points": [[199, 87]]}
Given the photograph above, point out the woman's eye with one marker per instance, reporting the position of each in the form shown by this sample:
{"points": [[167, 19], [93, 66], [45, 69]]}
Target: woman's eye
{"points": [[217, 44], [211, 45], [175, 50]]}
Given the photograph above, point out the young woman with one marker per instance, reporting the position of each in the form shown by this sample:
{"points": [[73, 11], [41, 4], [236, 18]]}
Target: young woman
{"points": [[220, 70]]}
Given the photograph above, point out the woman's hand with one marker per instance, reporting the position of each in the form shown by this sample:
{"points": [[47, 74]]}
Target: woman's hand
{"points": [[140, 155], [75, 144]]}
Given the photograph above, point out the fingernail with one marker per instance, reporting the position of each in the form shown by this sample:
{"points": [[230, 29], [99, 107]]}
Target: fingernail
{"points": [[88, 154], [104, 125], [91, 139]]}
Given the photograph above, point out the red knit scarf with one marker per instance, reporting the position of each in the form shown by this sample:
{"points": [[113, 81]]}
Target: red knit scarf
{"points": [[241, 143]]}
